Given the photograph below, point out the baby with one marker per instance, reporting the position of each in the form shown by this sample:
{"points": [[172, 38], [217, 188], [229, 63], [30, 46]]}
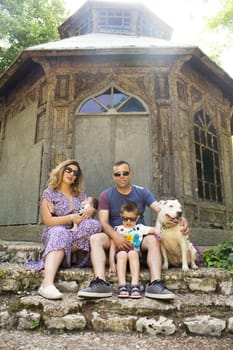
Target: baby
{"points": [[89, 202]]}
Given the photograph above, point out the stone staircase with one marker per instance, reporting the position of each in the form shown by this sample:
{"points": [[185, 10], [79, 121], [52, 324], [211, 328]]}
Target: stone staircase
{"points": [[203, 303]]}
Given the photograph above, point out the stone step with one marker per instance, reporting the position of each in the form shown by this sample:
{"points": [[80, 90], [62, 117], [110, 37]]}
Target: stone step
{"points": [[203, 303], [197, 314], [22, 252], [19, 251], [17, 278]]}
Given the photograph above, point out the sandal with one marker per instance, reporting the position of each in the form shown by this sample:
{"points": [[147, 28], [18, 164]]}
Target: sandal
{"points": [[122, 291], [135, 292]]}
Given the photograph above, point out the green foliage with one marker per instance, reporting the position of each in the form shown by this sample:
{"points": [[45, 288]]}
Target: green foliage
{"points": [[26, 23], [221, 25], [221, 256], [224, 17], [34, 324], [3, 273]]}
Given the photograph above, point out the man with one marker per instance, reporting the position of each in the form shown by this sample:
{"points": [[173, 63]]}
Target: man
{"points": [[110, 202]]}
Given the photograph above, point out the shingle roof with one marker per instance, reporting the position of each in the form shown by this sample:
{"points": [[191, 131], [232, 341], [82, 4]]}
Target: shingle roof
{"points": [[100, 41]]}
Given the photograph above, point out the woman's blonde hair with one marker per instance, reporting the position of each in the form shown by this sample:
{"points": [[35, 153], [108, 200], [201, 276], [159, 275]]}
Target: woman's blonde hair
{"points": [[56, 175]]}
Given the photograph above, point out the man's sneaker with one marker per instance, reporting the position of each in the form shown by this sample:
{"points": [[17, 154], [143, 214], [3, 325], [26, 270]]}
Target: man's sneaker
{"points": [[158, 290], [98, 288]]}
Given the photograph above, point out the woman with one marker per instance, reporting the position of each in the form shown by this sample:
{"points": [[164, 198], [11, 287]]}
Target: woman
{"points": [[60, 205]]}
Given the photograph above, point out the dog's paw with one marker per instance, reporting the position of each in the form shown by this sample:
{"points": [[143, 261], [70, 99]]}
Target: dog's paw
{"points": [[185, 268], [194, 266], [165, 267]]}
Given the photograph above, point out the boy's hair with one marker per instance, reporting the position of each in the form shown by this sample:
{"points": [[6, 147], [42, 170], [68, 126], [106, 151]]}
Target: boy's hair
{"points": [[129, 206]]}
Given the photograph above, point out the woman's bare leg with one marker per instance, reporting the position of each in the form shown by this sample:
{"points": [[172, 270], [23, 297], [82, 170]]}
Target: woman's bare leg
{"points": [[52, 262]]}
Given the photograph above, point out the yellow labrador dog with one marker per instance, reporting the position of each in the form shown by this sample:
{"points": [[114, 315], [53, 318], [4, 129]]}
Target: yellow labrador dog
{"points": [[176, 247]]}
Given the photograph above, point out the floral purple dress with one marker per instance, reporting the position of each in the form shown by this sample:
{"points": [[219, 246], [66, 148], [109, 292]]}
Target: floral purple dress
{"points": [[61, 236]]}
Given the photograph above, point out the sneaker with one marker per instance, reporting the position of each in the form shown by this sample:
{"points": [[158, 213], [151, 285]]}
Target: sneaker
{"points": [[50, 292], [98, 288], [158, 290]]}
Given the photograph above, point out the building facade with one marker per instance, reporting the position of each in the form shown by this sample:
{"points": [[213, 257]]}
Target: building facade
{"points": [[116, 87]]}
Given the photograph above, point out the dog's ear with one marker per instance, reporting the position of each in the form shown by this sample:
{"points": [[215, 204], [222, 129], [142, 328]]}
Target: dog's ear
{"points": [[160, 204], [177, 202]]}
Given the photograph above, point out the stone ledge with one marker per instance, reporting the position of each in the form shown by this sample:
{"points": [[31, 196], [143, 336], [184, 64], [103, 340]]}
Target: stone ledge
{"points": [[17, 277], [191, 314], [32, 233], [19, 252]]}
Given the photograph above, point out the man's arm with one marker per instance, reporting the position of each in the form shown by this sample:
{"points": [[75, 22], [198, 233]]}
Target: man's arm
{"points": [[155, 207], [120, 241]]}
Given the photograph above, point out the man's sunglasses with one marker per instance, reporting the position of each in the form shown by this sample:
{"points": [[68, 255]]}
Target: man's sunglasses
{"points": [[124, 173], [125, 218], [69, 170]]}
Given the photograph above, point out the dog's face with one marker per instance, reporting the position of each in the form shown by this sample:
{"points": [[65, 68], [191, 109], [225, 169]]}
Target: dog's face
{"points": [[170, 211]]}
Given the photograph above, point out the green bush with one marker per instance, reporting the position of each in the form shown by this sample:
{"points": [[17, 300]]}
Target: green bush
{"points": [[221, 256]]}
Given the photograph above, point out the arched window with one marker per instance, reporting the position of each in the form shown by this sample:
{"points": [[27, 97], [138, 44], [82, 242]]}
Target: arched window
{"points": [[207, 158], [112, 101]]}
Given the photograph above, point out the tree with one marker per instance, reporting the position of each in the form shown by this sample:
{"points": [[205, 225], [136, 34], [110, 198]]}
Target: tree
{"points": [[221, 24], [26, 23], [224, 17]]}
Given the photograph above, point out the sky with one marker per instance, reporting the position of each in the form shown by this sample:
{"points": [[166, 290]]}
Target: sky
{"points": [[186, 17]]}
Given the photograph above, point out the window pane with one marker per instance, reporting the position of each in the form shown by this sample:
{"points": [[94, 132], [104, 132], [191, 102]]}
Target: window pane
{"points": [[106, 98], [219, 192], [207, 191], [132, 105], [208, 163], [111, 99], [207, 120], [215, 144], [212, 129], [198, 118], [196, 134], [203, 137], [118, 98], [199, 171], [209, 140], [213, 192], [207, 158], [92, 107], [217, 173], [216, 160], [198, 152], [200, 189]]}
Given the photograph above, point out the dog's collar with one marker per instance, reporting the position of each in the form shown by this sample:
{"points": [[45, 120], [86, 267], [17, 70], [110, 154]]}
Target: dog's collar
{"points": [[168, 225]]}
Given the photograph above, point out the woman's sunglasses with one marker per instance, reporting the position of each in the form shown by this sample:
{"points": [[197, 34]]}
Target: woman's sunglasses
{"points": [[69, 170]]}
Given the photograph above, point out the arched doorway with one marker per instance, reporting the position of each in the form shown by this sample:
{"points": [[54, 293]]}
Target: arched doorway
{"points": [[110, 126]]}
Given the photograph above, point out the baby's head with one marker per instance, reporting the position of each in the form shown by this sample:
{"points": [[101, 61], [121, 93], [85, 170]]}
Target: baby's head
{"points": [[129, 214], [92, 201]]}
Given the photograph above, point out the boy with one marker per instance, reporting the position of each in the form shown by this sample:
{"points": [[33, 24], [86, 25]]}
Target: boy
{"points": [[118, 258]]}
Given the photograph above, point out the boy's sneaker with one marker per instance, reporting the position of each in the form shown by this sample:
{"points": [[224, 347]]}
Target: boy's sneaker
{"points": [[158, 290], [98, 288]]}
